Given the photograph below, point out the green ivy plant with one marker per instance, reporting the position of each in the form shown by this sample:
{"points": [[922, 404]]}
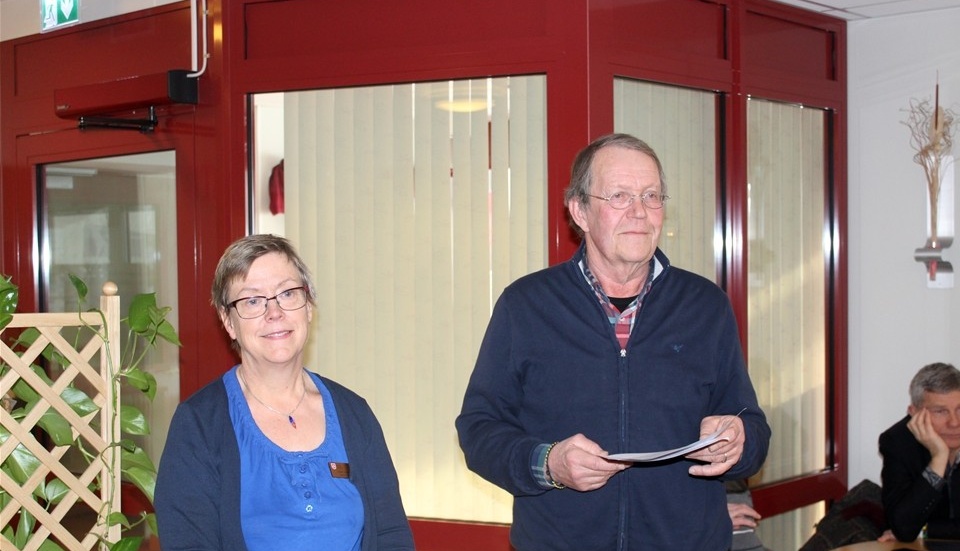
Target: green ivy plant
{"points": [[147, 328]]}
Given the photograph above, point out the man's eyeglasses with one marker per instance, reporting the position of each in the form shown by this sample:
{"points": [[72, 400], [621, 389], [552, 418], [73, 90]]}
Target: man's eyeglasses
{"points": [[254, 307], [621, 199]]}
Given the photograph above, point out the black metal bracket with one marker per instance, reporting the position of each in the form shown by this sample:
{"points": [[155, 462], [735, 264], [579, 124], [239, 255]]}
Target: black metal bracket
{"points": [[143, 125]]}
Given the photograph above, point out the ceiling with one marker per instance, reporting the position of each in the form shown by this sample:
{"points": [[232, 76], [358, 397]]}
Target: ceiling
{"points": [[853, 10]]}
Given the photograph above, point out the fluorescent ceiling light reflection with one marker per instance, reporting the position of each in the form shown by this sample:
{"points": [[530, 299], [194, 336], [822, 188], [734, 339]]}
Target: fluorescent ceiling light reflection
{"points": [[462, 106]]}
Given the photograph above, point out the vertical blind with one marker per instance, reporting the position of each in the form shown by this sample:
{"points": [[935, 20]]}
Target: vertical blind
{"points": [[680, 125], [414, 206], [787, 294]]}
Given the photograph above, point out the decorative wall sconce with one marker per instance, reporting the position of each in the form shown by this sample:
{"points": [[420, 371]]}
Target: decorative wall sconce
{"points": [[931, 136]]}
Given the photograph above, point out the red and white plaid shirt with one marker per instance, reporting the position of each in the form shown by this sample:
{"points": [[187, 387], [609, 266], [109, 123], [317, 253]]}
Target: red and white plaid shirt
{"points": [[622, 321]]}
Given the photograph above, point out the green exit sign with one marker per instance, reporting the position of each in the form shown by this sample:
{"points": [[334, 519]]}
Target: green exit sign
{"points": [[58, 13]]}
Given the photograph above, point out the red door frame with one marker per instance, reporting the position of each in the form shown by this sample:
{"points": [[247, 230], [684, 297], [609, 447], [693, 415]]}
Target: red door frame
{"points": [[736, 47]]}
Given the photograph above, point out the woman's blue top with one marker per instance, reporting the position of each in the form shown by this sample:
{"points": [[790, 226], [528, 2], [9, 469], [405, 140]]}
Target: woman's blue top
{"points": [[291, 500]]}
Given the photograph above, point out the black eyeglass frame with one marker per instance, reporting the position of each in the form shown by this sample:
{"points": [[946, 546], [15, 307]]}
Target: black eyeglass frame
{"points": [[266, 302]]}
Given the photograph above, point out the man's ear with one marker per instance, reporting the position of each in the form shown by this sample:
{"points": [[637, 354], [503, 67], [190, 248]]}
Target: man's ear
{"points": [[912, 410], [578, 212]]}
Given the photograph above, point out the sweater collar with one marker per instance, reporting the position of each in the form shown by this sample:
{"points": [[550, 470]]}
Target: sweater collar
{"points": [[659, 263]]}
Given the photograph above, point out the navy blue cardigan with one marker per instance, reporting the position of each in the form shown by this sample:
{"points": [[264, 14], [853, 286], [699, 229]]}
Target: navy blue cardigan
{"points": [[197, 497], [550, 366]]}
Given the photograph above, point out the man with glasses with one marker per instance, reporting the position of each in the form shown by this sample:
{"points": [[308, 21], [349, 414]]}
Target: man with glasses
{"points": [[614, 351]]}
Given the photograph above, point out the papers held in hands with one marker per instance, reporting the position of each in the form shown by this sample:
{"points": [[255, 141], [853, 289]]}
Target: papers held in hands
{"points": [[676, 452]]}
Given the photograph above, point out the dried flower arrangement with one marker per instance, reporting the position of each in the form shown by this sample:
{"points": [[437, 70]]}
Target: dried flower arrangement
{"points": [[931, 136]]}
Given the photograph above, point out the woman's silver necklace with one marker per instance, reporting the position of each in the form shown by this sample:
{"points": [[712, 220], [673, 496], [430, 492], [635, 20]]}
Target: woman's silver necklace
{"points": [[289, 416]]}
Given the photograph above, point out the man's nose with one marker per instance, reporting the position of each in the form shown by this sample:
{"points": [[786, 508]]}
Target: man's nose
{"points": [[637, 208], [954, 418]]}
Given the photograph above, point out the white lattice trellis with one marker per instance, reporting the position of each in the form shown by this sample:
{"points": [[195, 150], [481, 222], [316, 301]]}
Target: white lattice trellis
{"points": [[94, 486]]}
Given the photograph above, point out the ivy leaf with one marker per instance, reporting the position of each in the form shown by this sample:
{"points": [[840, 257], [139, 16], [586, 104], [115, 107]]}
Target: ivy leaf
{"points": [[133, 421], [79, 401], [9, 295], [166, 331], [24, 528], [149, 321], [132, 456], [26, 338], [118, 518], [48, 545], [57, 427], [80, 286], [128, 445], [143, 479], [131, 543], [142, 381], [152, 522], [139, 316], [23, 391], [55, 490], [21, 463]]}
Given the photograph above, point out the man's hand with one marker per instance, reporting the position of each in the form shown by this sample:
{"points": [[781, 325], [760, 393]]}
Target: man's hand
{"points": [[579, 463], [887, 535], [722, 455], [921, 426], [742, 515]]}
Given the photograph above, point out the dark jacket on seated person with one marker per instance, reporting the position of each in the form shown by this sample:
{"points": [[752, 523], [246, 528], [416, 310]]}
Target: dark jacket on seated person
{"points": [[911, 497]]}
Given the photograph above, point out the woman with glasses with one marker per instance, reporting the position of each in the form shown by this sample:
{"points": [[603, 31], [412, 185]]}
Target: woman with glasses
{"points": [[271, 455]]}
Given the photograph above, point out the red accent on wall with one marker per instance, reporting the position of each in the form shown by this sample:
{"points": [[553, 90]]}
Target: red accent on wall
{"points": [[275, 189]]}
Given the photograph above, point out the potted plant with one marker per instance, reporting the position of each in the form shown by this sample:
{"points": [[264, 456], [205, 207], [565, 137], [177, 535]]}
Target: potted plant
{"points": [[147, 327]]}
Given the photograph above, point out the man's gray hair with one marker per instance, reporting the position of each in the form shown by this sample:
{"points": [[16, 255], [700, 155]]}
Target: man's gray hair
{"points": [[939, 377], [581, 173]]}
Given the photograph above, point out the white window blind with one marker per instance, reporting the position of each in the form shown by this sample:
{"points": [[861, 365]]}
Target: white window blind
{"points": [[414, 205], [680, 125], [787, 296]]}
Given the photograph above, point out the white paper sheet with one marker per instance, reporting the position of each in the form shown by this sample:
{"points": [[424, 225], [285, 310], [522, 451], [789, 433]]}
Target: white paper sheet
{"points": [[676, 452]]}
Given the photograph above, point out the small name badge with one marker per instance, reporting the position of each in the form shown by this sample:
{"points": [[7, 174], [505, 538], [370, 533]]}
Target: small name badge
{"points": [[339, 470]]}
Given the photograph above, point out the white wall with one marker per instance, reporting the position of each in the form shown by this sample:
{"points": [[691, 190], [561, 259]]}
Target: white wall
{"points": [[22, 17], [897, 324]]}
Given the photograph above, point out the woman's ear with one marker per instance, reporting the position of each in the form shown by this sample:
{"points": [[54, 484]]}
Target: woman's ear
{"points": [[227, 322]]}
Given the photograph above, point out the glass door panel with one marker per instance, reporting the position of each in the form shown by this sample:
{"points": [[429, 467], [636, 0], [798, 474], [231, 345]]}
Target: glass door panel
{"points": [[787, 294], [680, 125], [114, 219], [414, 206]]}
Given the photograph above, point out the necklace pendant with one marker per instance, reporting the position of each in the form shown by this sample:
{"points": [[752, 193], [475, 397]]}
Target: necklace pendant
{"points": [[292, 422]]}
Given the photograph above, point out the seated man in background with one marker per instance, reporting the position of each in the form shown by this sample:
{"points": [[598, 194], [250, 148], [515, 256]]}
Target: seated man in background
{"points": [[920, 482]]}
